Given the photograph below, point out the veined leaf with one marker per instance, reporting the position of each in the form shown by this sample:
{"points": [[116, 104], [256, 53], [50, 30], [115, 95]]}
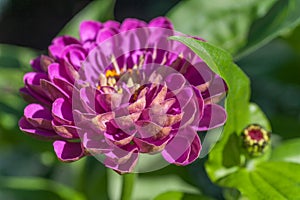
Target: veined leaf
{"points": [[266, 180]]}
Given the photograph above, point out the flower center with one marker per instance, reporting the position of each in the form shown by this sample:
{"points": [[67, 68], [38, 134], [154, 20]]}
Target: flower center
{"points": [[256, 135], [129, 76], [112, 76]]}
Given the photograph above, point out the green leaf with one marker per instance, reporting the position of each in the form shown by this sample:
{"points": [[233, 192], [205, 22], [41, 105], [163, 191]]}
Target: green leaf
{"points": [[266, 180], [11, 80], [170, 195], [14, 61], [232, 148], [258, 117], [236, 104], [284, 16], [100, 10], [222, 22], [33, 184], [242, 181], [288, 151], [16, 57], [293, 39], [176, 195]]}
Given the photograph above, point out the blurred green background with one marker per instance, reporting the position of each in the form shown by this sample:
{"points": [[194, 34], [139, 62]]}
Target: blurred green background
{"points": [[29, 168]]}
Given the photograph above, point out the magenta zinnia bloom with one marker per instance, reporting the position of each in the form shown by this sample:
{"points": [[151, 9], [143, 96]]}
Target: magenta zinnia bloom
{"points": [[119, 91]]}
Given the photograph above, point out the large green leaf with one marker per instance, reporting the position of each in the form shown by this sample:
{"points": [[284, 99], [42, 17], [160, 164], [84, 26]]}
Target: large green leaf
{"points": [[100, 10], [266, 180], [223, 22], [284, 16]]}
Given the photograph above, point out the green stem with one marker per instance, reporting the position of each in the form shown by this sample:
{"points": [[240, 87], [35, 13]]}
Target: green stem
{"points": [[127, 186], [81, 171]]}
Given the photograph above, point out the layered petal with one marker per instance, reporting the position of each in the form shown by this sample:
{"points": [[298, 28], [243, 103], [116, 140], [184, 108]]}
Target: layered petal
{"points": [[213, 116], [65, 131], [59, 44], [74, 54], [88, 30], [62, 111], [38, 116], [161, 22], [184, 148], [131, 23], [68, 151], [122, 160], [39, 133]]}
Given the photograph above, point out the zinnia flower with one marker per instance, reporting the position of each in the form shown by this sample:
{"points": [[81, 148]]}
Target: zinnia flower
{"points": [[119, 91]]}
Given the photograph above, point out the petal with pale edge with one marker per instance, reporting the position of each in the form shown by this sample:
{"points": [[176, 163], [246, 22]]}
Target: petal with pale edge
{"points": [[62, 111], [26, 127], [121, 160], [213, 117], [68, 151], [184, 148], [65, 131], [38, 116]]}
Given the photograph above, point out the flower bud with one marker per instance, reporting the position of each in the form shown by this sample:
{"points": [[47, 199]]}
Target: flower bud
{"points": [[255, 139]]}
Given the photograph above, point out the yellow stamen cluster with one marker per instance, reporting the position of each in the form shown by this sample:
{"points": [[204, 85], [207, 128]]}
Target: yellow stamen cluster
{"points": [[111, 73], [112, 76]]}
